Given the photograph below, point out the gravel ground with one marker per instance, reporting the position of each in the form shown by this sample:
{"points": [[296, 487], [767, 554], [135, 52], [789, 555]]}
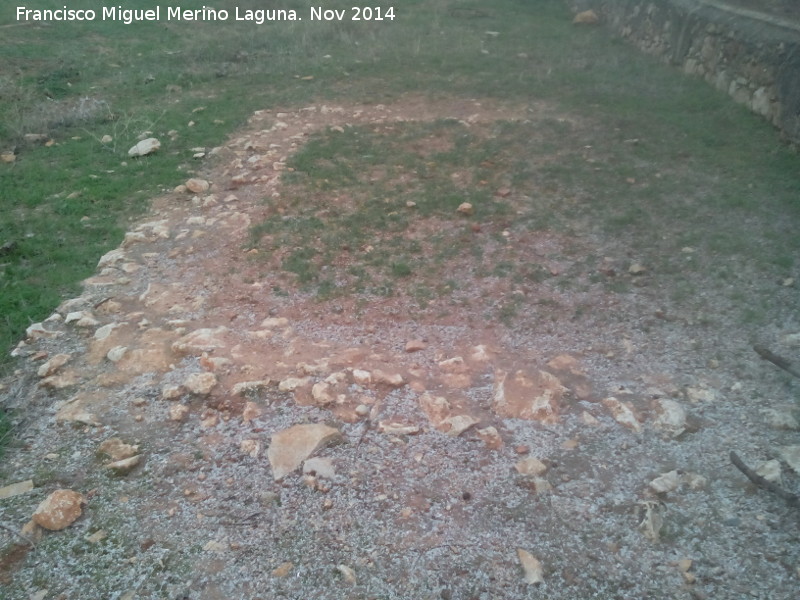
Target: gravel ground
{"points": [[423, 515]]}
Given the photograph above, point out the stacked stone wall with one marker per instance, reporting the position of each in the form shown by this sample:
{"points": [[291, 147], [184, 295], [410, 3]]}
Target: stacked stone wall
{"points": [[752, 56]]}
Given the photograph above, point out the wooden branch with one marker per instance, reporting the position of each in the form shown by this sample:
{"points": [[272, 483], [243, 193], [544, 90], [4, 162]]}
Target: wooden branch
{"points": [[776, 360], [791, 499]]}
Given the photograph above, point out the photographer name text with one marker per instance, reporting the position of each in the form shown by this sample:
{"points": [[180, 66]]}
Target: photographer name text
{"points": [[176, 13]]}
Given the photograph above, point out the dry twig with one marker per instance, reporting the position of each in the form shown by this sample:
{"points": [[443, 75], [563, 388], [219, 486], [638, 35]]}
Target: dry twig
{"points": [[791, 499], [776, 360]]}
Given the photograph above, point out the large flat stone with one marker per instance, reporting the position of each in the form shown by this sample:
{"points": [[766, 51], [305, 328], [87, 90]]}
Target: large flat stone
{"points": [[290, 447]]}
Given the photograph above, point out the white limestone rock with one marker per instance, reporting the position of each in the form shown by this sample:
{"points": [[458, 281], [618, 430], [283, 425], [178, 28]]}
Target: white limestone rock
{"points": [[791, 454], [532, 396], [530, 467], [15, 489], [290, 384], [671, 417], [200, 384], [622, 413], [290, 447], [531, 567], [667, 482], [145, 147], [53, 365]]}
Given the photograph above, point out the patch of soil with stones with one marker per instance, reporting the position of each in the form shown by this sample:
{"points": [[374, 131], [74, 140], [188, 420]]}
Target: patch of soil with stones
{"points": [[267, 445]]}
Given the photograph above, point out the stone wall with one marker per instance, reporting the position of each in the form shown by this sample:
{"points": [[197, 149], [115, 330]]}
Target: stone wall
{"points": [[752, 56]]}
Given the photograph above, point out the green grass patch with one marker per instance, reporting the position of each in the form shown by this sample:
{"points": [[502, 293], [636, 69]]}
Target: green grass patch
{"points": [[633, 152], [374, 205]]}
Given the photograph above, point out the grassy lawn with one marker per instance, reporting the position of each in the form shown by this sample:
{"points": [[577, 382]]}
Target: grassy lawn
{"points": [[656, 159]]}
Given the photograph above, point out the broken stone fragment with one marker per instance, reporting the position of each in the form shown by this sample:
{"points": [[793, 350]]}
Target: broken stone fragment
{"points": [[348, 574], [791, 454], [781, 419], [53, 365], [201, 340], [102, 333], [454, 365], [439, 413], [391, 379], [60, 381], [32, 531], [37, 331], [145, 147], [770, 470], [622, 413], [415, 345], [637, 269], [15, 489], [74, 316], [588, 419], [533, 396], [290, 384], [200, 384], [652, 521], [59, 510], [480, 353], [668, 482], [124, 466], [490, 437], [111, 257], [87, 320], [362, 377], [283, 569], [531, 467], [465, 208], [319, 367], [436, 408], [290, 447], [171, 392], [74, 410], [244, 387], [251, 411], [671, 417], [694, 481], [321, 392], [531, 567], [116, 354], [565, 362], [397, 427], [197, 186], [178, 412], [251, 448], [215, 546], [586, 17], [455, 425], [700, 394], [335, 378], [116, 449], [97, 536], [274, 322]]}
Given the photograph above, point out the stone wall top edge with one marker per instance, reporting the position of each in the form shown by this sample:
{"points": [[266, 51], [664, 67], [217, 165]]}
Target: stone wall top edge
{"points": [[754, 26]]}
